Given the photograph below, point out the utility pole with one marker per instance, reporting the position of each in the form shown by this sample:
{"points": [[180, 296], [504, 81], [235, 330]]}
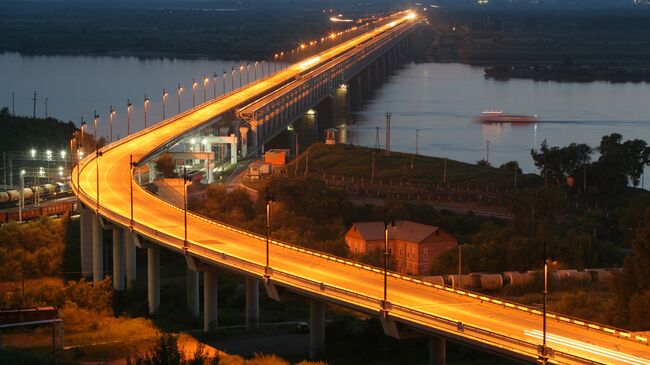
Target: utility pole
{"points": [[444, 173], [34, 99], [487, 151], [46, 107], [377, 138], [372, 173], [128, 117], [13, 104], [388, 116], [417, 142]]}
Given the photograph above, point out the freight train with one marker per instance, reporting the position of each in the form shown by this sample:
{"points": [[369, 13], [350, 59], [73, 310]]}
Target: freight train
{"points": [[10, 198], [482, 281], [30, 213]]}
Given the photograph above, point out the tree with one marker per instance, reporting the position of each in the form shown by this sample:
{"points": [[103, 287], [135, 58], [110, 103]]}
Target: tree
{"points": [[165, 166], [620, 162], [556, 163], [511, 166], [483, 162]]}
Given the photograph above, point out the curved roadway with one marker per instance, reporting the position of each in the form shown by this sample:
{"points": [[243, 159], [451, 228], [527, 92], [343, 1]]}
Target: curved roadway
{"points": [[429, 308]]}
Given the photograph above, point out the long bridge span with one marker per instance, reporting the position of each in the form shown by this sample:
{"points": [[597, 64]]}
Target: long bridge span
{"points": [[111, 198]]}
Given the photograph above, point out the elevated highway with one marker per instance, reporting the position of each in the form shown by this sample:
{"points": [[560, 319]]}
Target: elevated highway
{"points": [[105, 184]]}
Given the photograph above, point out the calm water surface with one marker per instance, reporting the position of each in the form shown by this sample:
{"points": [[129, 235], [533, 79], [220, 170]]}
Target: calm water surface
{"points": [[441, 100]]}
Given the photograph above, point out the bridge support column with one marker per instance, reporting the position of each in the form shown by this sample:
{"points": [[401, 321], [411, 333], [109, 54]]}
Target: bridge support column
{"points": [[129, 258], [98, 249], [152, 171], [252, 304], [153, 278], [118, 259], [243, 134], [437, 351], [86, 236], [316, 328], [193, 292], [210, 283]]}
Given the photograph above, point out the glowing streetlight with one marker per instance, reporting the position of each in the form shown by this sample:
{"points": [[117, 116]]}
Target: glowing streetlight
{"points": [[111, 112], [193, 92], [241, 68], [255, 71], [33, 152], [387, 223], [248, 73], [205, 84], [269, 199], [129, 106], [21, 199], [545, 351], [232, 79], [146, 105], [63, 153], [224, 81], [214, 85], [164, 100], [179, 90], [275, 63]]}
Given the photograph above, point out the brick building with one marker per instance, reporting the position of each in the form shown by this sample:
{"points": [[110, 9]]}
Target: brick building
{"points": [[413, 245]]}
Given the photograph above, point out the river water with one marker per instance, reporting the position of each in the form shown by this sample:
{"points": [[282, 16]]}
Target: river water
{"points": [[441, 100]]}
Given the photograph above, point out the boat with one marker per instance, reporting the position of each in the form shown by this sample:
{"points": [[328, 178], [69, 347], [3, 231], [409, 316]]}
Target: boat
{"points": [[498, 116]]}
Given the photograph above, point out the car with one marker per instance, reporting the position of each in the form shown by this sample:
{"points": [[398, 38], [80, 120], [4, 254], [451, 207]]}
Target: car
{"points": [[302, 327]]}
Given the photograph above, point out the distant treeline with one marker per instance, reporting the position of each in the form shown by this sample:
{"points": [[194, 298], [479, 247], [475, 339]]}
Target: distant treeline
{"points": [[21, 133]]}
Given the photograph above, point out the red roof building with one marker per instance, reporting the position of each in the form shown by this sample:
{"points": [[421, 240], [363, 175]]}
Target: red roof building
{"points": [[413, 245]]}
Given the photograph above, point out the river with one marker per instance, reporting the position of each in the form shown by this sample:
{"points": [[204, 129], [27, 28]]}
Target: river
{"points": [[442, 100]]}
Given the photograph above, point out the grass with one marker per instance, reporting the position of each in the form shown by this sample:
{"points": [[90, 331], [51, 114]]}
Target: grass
{"points": [[356, 161]]}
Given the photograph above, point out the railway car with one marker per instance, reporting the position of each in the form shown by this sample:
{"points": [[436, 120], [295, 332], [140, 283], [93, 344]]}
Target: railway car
{"points": [[37, 212]]}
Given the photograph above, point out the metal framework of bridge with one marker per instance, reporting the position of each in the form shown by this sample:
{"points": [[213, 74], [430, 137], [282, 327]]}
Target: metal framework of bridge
{"points": [[106, 184]]}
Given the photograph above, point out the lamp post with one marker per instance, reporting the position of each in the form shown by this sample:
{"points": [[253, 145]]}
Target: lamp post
{"points": [[205, 84], [95, 118], [223, 86], [21, 198], [255, 71], [269, 199], [545, 351], [248, 73], [164, 100], [129, 106], [110, 123], [178, 97], [214, 85], [275, 63], [185, 180], [98, 154], [387, 223], [262, 68], [193, 92], [232, 79], [281, 60], [131, 167], [460, 265], [241, 68], [146, 104]]}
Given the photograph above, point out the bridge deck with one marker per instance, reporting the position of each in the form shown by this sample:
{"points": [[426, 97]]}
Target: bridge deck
{"points": [[430, 309]]}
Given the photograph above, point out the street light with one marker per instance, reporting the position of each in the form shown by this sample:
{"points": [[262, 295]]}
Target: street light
{"points": [[146, 104], [129, 107], [95, 119], [248, 73], [21, 199], [224, 81], [97, 155], [33, 153], [241, 68], [131, 167], [387, 223], [205, 84], [269, 198], [110, 123], [545, 351], [178, 96], [164, 97], [193, 92], [255, 71], [214, 85], [232, 79], [275, 63], [185, 180]]}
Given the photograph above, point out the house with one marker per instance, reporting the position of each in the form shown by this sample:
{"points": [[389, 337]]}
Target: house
{"points": [[413, 245]]}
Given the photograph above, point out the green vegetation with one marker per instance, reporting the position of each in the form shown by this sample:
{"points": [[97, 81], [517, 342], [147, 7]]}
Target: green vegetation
{"points": [[165, 166], [19, 133], [348, 160]]}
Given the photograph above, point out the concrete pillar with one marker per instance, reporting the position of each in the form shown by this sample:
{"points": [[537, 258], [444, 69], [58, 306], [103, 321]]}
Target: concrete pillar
{"points": [[130, 267], [86, 236], [209, 301], [193, 292], [152, 171], [98, 249], [316, 328], [153, 278], [437, 350], [252, 303], [243, 134], [118, 259], [233, 149]]}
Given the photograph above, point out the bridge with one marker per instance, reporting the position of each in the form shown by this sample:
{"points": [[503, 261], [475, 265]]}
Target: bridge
{"points": [[106, 185]]}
